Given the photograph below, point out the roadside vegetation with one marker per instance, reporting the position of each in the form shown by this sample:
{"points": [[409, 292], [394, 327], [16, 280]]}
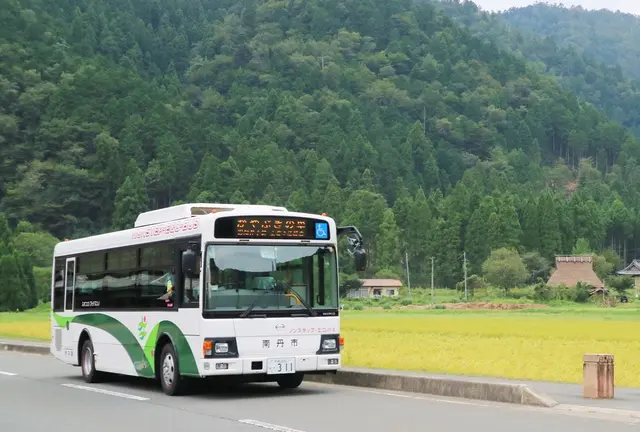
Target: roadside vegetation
{"points": [[492, 298], [507, 279]]}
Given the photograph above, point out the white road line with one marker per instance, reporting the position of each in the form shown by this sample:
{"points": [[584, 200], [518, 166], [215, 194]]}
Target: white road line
{"points": [[268, 426], [7, 373], [597, 410], [107, 392]]}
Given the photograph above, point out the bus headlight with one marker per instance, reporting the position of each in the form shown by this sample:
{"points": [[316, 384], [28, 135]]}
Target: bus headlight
{"points": [[220, 348], [329, 344]]}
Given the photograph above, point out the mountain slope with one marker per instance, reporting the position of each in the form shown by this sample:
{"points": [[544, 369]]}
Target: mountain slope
{"points": [[602, 84], [384, 114], [606, 36]]}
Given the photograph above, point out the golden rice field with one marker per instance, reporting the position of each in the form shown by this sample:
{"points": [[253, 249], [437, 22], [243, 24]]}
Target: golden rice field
{"points": [[539, 345], [25, 325], [535, 346]]}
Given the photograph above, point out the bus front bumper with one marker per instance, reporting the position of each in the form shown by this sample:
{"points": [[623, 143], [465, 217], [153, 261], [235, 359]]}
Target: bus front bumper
{"points": [[270, 365]]}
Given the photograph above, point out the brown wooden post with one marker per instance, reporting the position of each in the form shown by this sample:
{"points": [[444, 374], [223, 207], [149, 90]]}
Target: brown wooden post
{"points": [[598, 376]]}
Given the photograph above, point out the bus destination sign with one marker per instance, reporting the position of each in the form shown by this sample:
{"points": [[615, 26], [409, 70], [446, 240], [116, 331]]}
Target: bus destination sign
{"points": [[269, 227]]}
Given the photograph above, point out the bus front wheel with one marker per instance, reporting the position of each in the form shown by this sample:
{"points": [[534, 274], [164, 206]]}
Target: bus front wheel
{"points": [[290, 381], [170, 378]]}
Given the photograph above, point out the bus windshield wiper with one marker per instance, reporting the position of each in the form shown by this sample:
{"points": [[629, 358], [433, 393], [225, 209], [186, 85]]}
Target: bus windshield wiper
{"points": [[255, 302], [299, 297], [280, 287]]}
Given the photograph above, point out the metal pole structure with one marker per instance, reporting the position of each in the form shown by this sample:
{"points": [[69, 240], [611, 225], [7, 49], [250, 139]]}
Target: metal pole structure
{"points": [[432, 293], [464, 254], [406, 262]]}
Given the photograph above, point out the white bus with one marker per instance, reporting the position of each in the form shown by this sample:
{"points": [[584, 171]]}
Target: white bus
{"points": [[203, 290]]}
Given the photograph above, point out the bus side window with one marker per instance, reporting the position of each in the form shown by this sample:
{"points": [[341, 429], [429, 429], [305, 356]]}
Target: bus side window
{"points": [[58, 286]]}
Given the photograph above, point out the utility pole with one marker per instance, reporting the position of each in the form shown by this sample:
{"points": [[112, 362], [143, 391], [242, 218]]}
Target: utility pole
{"points": [[406, 262], [424, 120], [432, 294], [464, 254]]}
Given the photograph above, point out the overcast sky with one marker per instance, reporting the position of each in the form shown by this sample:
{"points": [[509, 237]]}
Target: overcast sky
{"points": [[630, 6]]}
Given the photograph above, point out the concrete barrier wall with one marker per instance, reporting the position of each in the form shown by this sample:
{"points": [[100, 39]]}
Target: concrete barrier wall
{"points": [[488, 391], [25, 347]]}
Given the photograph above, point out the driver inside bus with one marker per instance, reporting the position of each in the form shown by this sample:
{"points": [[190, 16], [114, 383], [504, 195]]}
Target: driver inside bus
{"points": [[169, 295]]}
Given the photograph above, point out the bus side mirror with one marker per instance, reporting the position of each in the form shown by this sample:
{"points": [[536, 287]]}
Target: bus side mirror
{"points": [[356, 250], [360, 257], [189, 263]]}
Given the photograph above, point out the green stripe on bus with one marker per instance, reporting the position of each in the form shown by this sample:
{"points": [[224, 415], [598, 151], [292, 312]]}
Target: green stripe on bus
{"points": [[142, 359], [150, 346], [187, 361]]}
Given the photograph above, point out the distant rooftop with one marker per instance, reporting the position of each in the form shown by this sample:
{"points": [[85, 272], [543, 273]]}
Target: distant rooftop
{"points": [[381, 283], [633, 269], [574, 258]]}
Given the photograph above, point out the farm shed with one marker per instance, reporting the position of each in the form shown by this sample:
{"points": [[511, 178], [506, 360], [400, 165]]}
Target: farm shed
{"points": [[376, 288]]}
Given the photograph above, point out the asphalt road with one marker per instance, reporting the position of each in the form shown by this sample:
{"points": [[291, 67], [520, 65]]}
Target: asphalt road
{"points": [[38, 393]]}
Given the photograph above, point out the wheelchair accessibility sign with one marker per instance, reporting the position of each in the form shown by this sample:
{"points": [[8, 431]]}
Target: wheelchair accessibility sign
{"points": [[322, 230]]}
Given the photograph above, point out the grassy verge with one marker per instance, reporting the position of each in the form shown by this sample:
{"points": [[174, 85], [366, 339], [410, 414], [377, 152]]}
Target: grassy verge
{"points": [[29, 325]]}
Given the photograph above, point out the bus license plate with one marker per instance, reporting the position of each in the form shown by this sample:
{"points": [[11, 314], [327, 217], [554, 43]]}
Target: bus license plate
{"points": [[280, 366]]}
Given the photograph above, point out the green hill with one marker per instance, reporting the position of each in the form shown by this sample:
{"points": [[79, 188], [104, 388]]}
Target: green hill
{"points": [[606, 36], [593, 78], [385, 114]]}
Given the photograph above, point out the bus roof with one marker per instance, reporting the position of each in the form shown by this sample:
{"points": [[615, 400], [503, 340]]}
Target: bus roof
{"points": [[184, 211], [168, 223]]}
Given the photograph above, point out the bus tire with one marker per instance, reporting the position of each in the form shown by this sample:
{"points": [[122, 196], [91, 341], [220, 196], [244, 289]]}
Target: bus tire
{"points": [[170, 379], [88, 363], [290, 381]]}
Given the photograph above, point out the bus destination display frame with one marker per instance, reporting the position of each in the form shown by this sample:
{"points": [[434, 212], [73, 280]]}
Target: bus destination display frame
{"points": [[271, 228]]}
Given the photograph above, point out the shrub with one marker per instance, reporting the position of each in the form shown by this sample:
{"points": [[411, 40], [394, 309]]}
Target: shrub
{"points": [[542, 292], [504, 268], [581, 292]]}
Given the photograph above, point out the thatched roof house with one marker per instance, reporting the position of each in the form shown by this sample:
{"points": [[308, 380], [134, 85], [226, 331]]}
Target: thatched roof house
{"points": [[573, 269]]}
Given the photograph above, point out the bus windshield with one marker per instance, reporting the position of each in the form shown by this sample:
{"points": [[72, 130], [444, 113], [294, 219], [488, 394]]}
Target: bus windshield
{"points": [[285, 277]]}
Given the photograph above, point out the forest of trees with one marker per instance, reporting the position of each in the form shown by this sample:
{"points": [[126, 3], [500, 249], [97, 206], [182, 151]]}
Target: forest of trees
{"points": [[383, 113], [537, 33], [603, 35], [25, 257]]}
